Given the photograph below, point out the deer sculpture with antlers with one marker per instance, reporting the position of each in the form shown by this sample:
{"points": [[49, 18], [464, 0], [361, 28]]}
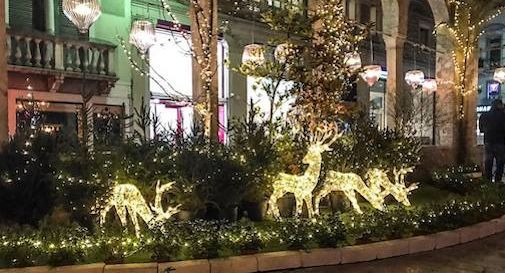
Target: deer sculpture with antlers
{"points": [[128, 200], [303, 185], [398, 190], [349, 184]]}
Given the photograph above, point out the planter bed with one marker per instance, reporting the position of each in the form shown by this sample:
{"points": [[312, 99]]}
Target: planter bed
{"points": [[293, 259]]}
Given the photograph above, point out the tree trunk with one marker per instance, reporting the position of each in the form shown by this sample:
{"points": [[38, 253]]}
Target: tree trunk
{"points": [[4, 121], [204, 36], [467, 120]]}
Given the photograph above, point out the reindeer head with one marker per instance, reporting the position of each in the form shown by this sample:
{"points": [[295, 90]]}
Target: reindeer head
{"points": [[160, 213], [320, 142], [401, 190]]}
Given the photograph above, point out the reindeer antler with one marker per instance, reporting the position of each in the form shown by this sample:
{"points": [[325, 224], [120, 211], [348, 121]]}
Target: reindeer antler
{"points": [[157, 207], [325, 132]]}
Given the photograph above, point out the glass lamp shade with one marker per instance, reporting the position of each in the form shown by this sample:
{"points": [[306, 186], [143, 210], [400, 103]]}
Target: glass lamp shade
{"points": [[254, 53], [371, 74], [82, 13], [499, 75], [414, 78], [430, 85], [142, 35], [353, 61], [281, 52]]}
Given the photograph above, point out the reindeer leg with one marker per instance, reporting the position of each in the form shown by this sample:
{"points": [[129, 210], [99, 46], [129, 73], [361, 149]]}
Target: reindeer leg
{"points": [[103, 214], [272, 206], [135, 222], [310, 208], [121, 212], [351, 195], [299, 205]]}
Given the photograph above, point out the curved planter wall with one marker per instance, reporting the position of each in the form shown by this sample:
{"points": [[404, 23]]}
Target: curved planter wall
{"points": [[294, 259]]}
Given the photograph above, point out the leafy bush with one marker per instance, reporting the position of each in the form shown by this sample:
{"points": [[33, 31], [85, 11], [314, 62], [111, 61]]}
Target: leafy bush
{"points": [[457, 179]]}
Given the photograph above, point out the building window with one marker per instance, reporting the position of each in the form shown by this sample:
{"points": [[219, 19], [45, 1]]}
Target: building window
{"points": [[424, 36], [494, 51], [364, 13], [172, 76], [258, 98], [39, 15]]}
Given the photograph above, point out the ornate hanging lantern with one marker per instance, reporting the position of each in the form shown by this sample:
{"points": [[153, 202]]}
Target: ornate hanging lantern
{"points": [[430, 85], [371, 74], [353, 61], [281, 52], [414, 78], [82, 13], [499, 75], [254, 54], [142, 35]]}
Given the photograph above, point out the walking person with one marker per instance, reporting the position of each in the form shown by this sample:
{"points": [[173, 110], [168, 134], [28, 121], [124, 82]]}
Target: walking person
{"points": [[492, 124]]}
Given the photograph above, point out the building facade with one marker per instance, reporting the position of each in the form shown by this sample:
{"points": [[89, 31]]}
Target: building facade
{"points": [[50, 60]]}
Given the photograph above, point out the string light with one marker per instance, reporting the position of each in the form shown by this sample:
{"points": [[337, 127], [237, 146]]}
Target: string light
{"points": [[353, 61]]}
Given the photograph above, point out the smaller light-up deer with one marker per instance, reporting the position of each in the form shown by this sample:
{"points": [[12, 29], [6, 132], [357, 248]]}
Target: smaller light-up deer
{"points": [[349, 184], [128, 200], [302, 186], [398, 189]]}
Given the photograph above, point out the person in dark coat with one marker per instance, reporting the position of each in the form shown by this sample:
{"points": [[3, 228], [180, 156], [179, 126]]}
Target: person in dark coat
{"points": [[492, 124]]}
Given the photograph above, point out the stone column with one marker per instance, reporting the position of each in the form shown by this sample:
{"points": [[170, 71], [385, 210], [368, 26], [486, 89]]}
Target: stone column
{"points": [[6, 16], [238, 83], [4, 121], [395, 81], [446, 106], [49, 9]]}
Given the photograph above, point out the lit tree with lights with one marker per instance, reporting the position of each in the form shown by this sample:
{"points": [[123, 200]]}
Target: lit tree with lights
{"points": [[316, 55], [468, 19]]}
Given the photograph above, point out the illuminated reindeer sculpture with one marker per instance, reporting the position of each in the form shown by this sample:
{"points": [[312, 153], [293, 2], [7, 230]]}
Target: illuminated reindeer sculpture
{"points": [[349, 184], [398, 190], [128, 200], [378, 188], [302, 186]]}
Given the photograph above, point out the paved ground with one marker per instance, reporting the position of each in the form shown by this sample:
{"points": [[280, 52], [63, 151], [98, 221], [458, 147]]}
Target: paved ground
{"points": [[484, 256]]}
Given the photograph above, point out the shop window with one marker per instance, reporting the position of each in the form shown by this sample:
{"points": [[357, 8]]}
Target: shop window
{"points": [[172, 77], [258, 97]]}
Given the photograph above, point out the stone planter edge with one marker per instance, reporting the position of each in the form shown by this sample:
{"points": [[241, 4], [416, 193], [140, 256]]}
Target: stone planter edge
{"points": [[286, 260]]}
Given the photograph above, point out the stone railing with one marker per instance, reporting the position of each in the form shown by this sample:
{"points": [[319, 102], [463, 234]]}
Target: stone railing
{"points": [[54, 53]]}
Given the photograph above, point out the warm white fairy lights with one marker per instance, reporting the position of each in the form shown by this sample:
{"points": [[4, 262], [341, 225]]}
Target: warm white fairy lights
{"points": [[127, 199]]}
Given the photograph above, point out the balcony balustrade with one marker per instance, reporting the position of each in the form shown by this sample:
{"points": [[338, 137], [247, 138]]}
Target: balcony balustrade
{"points": [[42, 54]]}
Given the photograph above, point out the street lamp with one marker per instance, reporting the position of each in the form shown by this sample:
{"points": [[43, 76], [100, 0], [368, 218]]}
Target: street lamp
{"points": [[414, 78], [82, 13], [254, 54], [353, 61], [142, 35], [371, 74]]}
